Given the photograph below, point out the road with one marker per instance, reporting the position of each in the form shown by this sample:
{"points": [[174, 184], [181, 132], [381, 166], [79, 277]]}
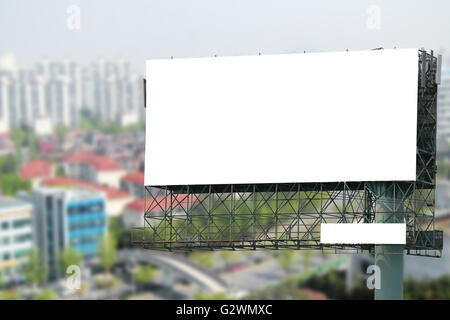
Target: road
{"points": [[421, 267], [261, 275]]}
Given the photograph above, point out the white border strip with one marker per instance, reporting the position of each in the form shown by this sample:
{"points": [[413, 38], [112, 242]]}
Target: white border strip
{"points": [[363, 233]]}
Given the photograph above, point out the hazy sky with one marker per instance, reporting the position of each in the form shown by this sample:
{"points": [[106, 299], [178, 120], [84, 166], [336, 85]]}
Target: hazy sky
{"points": [[139, 30]]}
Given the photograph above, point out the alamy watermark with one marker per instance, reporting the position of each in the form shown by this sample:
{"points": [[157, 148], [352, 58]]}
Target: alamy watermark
{"points": [[73, 281], [373, 21], [374, 280], [73, 21]]}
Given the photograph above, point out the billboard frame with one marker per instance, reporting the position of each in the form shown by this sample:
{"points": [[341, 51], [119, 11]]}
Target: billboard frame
{"points": [[185, 217]]}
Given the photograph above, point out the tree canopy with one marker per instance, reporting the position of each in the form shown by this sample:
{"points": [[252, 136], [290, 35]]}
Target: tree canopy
{"points": [[34, 270], [144, 274], [107, 252], [69, 256], [47, 294], [10, 184]]}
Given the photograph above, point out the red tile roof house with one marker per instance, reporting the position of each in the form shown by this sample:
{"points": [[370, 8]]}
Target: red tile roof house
{"points": [[133, 213], [133, 183], [36, 170], [116, 199], [94, 168]]}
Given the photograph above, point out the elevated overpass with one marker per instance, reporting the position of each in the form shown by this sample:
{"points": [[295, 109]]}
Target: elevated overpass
{"points": [[177, 263]]}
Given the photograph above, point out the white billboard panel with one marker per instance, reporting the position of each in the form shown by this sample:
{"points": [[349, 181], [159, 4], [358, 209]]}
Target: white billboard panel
{"points": [[320, 117], [363, 233]]}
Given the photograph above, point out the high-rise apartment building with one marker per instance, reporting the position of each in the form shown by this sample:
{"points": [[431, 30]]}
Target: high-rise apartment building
{"points": [[59, 90], [116, 92]]}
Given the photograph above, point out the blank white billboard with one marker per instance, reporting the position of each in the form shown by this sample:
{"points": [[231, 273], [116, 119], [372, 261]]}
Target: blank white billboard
{"points": [[320, 117], [363, 233]]}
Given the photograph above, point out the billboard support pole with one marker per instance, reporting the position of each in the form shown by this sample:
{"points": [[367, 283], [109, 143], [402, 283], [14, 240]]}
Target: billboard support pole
{"points": [[388, 257]]}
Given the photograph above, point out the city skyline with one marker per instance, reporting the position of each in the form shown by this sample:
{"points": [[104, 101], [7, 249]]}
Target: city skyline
{"points": [[54, 92]]}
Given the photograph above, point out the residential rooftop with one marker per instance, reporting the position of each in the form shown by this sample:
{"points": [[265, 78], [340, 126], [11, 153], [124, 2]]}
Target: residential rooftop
{"points": [[100, 163], [136, 177], [72, 194], [7, 203], [36, 169], [110, 192]]}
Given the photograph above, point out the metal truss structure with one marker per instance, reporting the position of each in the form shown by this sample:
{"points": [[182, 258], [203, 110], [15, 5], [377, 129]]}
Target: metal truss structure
{"points": [[281, 216]]}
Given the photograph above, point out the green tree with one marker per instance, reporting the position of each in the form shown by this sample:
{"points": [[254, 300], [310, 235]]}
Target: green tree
{"points": [[10, 184], [59, 171], [88, 122], [8, 164], [136, 127], [228, 255], [426, 289], [119, 232], [10, 294], [203, 259], [107, 252], [34, 270], [61, 132], [144, 274], [108, 281], [286, 259], [47, 294], [25, 137], [69, 256], [306, 258]]}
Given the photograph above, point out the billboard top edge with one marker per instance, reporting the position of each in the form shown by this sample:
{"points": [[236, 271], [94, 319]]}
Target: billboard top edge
{"points": [[370, 96], [282, 54]]}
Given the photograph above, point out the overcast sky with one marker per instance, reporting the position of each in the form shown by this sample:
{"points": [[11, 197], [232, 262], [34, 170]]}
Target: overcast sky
{"points": [[138, 30]]}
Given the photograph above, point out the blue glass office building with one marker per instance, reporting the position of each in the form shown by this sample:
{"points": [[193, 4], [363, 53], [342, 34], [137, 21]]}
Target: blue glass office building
{"points": [[74, 218], [86, 222]]}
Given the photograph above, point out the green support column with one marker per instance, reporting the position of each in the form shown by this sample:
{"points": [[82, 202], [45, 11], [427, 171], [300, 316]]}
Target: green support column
{"points": [[389, 258]]}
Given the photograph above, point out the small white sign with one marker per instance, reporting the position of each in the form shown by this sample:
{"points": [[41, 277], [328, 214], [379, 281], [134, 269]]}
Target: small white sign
{"points": [[363, 233]]}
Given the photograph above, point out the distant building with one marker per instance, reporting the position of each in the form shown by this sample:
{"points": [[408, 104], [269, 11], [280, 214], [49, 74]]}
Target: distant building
{"points": [[94, 168], [46, 147], [36, 170], [129, 118], [133, 183], [42, 126], [116, 199], [443, 195], [112, 91], [58, 90], [7, 102], [16, 234], [48, 91], [443, 110], [133, 213], [63, 218], [6, 144]]}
